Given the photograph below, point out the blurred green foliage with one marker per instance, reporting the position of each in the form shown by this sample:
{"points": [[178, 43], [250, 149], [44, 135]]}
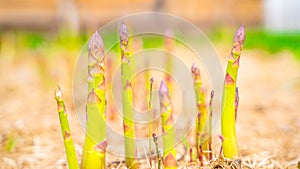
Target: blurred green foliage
{"points": [[152, 41], [51, 42], [11, 143], [273, 41]]}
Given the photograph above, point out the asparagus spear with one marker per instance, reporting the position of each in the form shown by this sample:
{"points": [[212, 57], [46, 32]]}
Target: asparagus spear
{"points": [[210, 154], [201, 132], [236, 103], [157, 151], [221, 148], [65, 129], [230, 144], [128, 125], [95, 138], [200, 155], [169, 154], [150, 131]]}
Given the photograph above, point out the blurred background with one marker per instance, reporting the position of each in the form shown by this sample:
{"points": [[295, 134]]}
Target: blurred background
{"points": [[40, 42]]}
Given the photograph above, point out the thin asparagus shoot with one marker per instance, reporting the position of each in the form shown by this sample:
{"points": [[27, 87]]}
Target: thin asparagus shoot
{"points": [[210, 154], [200, 155], [169, 154], [128, 125], [230, 144], [150, 131], [65, 129], [191, 155], [95, 138], [221, 148], [155, 140], [201, 128], [236, 103]]}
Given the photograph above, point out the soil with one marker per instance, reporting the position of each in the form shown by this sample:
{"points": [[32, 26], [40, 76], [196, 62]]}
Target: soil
{"points": [[268, 124]]}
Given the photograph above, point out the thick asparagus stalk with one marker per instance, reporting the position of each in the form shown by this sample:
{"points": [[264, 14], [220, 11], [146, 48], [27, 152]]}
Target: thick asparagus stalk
{"points": [[65, 129], [95, 138], [201, 129], [169, 154], [128, 125], [210, 154], [230, 144]]}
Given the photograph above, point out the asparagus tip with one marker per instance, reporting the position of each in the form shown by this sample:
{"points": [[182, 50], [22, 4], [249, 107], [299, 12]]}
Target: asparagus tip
{"points": [[123, 32], [240, 34], [58, 93], [96, 45], [212, 94], [154, 136], [194, 69], [163, 89], [151, 80]]}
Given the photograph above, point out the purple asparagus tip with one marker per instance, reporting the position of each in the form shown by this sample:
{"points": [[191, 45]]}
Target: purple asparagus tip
{"points": [[96, 48], [194, 68], [240, 35], [212, 94], [154, 137], [123, 32], [96, 42], [163, 89], [151, 80]]}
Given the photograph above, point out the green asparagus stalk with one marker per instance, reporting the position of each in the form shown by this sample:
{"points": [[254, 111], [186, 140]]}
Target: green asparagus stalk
{"points": [[95, 138], [201, 128], [150, 130], [230, 144], [169, 154], [157, 151], [210, 154], [65, 129], [128, 125]]}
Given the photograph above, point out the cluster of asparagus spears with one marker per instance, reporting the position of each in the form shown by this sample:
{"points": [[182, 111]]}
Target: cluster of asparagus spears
{"points": [[95, 143]]}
